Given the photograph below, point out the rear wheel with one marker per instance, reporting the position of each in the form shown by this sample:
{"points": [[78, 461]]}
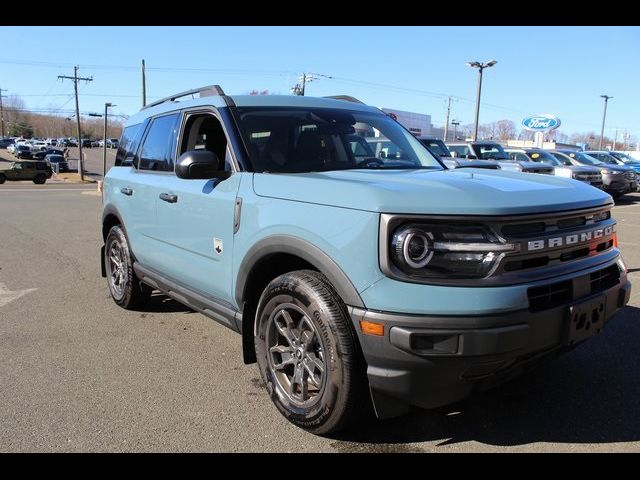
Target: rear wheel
{"points": [[124, 286], [2, 178], [40, 179], [308, 354]]}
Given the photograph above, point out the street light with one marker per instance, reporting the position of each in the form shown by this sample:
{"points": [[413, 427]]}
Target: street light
{"points": [[480, 66], [604, 115], [104, 139]]}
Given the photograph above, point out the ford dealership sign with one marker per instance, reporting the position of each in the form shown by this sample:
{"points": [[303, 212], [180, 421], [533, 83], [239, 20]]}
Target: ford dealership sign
{"points": [[541, 123]]}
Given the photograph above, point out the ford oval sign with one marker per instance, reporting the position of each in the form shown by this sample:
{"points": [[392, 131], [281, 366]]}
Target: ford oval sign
{"points": [[541, 123]]}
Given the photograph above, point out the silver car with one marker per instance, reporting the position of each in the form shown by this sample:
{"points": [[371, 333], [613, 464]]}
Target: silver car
{"points": [[562, 167]]}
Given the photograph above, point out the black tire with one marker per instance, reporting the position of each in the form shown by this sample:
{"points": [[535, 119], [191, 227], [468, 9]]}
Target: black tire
{"points": [[2, 178], [337, 393], [124, 286], [40, 179]]}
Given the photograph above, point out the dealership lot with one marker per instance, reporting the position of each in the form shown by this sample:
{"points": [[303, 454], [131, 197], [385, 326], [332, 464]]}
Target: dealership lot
{"points": [[80, 374]]}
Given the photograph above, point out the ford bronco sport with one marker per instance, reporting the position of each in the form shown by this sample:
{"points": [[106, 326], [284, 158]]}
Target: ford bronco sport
{"points": [[353, 281]]}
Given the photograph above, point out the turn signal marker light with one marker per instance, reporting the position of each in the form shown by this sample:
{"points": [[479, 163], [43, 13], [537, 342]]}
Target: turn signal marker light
{"points": [[615, 240], [371, 328]]}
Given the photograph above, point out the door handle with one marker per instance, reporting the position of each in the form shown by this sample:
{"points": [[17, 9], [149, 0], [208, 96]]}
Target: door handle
{"points": [[168, 197], [126, 191]]}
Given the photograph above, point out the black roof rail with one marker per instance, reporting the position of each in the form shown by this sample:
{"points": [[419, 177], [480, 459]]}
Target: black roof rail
{"points": [[207, 91]]}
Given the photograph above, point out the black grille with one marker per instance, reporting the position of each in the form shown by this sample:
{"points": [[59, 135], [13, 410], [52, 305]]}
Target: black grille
{"points": [[549, 296], [605, 279]]}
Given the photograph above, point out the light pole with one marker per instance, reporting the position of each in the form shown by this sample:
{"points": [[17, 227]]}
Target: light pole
{"points": [[604, 116], [104, 139], [480, 66]]}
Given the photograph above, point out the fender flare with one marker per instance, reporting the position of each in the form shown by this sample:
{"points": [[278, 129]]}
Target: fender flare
{"points": [[306, 251]]}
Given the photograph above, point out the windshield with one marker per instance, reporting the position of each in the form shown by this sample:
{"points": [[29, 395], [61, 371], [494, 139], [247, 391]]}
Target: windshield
{"points": [[584, 159], [608, 159], [307, 139], [437, 147], [491, 151], [542, 156], [624, 157], [562, 158]]}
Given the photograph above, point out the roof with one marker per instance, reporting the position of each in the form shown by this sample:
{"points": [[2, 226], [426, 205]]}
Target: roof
{"points": [[250, 101]]}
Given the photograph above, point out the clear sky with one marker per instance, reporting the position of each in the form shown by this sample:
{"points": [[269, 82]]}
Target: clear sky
{"points": [[558, 70]]}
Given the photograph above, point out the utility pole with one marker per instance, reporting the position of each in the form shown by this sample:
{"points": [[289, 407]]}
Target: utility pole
{"points": [[455, 124], [144, 86], [305, 78], [76, 79], [480, 66], [446, 123], [604, 116], [2, 111]]}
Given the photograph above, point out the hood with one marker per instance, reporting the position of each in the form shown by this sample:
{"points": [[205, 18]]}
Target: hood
{"points": [[616, 168], [529, 165], [452, 162], [468, 191], [580, 169]]}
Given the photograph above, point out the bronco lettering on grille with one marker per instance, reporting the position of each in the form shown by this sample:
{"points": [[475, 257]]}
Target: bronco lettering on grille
{"points": [[570, 239]]}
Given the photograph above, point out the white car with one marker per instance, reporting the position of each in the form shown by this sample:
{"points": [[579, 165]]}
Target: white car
{"points": [[38, 145]]}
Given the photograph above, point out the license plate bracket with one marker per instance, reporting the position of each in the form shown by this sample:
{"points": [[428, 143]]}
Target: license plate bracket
{"points": [[585, 319]]}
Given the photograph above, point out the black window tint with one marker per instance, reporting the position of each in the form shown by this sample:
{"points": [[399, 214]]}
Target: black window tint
{"points": [[156, 153], [129, 144]]}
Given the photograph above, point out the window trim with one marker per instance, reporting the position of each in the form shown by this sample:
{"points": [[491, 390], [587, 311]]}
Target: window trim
{"points": [[209, 110], [145, 133]]}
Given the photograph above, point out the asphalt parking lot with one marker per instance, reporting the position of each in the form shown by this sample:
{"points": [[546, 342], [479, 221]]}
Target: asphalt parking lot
{"points": [[77, 373]]}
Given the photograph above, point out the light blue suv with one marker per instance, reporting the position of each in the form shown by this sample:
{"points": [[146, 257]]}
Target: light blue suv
{"points": [[353, 280]]}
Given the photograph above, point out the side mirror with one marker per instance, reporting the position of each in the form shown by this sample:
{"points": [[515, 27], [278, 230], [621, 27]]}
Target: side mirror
{"points": [[200, 164]]}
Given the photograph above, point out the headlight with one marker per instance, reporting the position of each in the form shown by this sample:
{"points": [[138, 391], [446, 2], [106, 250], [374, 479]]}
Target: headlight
{"points": [[439, 251], [612, 172]]}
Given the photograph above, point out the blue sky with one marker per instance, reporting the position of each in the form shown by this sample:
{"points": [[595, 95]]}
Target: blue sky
{"points": [[559, 70]]}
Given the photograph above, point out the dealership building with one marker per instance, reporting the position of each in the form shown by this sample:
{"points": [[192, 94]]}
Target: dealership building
{"points": [[417, 123]]}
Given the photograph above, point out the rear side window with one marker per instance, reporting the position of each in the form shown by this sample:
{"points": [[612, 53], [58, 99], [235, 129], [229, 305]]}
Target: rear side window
{"points": [[129, 144], [460, 150], [156, 153]]}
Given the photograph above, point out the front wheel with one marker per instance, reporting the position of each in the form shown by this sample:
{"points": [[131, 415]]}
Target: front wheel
{"points": [[308, 354], [40, 179], [124, 286], [2, 178]]}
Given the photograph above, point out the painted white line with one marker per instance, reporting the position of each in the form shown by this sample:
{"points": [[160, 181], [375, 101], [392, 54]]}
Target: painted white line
{"points": [[7, 296]]}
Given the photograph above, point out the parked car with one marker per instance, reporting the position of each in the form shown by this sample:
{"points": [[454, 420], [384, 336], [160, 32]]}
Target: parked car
{"points": [[37, 171], [439, 149], [612, 158], [617, 179], [349, 280], [11, 148], [626, 159], [86, 143], [112, 143], [561, 167], [5, 142], [63, 165], [38, 145], [23, 151], [488, 150]]}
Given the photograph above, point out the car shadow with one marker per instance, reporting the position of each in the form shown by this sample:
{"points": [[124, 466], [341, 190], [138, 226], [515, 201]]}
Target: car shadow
{"points": [[587, 396], [628, 199], [160, 303]]}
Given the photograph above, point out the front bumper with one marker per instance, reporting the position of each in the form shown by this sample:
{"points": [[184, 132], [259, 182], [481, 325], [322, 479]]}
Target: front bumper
{"points": [[429, 361], [617, 184]]}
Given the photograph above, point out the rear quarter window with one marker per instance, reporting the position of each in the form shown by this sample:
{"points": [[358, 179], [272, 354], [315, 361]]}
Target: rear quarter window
{"points": [[128, 145]]}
